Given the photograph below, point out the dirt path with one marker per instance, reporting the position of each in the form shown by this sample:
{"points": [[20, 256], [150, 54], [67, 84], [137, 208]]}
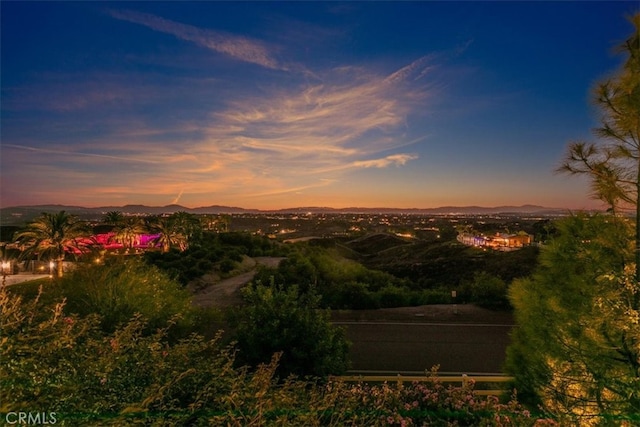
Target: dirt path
{"points": [[226, 292]]}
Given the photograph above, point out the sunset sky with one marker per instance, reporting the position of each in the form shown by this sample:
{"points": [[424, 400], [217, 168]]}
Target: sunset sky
{"points": [[272, 105]]}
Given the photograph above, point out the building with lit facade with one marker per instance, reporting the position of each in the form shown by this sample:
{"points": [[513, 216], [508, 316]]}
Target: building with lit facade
{"points": [[499, 241]]}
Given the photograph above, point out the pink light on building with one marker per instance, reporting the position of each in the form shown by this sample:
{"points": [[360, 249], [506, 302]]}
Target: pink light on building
{"points": [[148, 240]]}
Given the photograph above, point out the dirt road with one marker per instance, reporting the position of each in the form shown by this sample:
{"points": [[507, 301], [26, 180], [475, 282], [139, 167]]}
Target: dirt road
{"points": [[226, 292]]}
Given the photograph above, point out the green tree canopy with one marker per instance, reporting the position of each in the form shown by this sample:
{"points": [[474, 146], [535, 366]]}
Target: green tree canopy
{"points": [[577, 346], [170, 233], [113, 218], [576, 349], [613, 163], [283, 320]]}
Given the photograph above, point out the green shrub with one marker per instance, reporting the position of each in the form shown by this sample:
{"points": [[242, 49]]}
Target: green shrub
{"points": [[352, 295], [489, 291], [208, 251], [283, 320], [429, 296], [65, 364], [122, 288], [227, 265], [393, 296]]}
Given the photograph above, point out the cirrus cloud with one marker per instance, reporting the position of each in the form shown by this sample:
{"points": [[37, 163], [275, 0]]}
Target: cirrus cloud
{"points": [[292, 135], [238, 47], [395, 159]]}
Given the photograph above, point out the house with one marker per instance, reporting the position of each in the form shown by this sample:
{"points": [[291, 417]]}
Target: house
{"points": [[499, 241]]}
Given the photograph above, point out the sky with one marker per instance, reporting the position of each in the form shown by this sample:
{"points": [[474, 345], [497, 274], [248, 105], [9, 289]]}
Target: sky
{"points": [[270, 105]]}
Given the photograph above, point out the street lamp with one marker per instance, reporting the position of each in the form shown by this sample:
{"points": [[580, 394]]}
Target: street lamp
{"points": [[51, 265], [6, 268]]}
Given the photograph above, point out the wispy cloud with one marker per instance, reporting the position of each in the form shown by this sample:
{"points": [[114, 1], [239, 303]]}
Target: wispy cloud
{"points": [[414, 71], [395, 159], [349, 118], [288, 190], [282, 140], [177, 199], [241, 48], [295, 139], [68, 93], [68, 153]]}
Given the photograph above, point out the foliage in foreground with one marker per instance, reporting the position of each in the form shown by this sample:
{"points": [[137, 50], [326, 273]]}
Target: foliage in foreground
{"points": [[54, 362], [611, 163], [577, 346]]}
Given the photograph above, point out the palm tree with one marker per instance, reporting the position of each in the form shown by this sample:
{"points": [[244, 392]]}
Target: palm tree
{"points": [[170, 233], [52, 235], [217, 223], [129, 230], [189, 224], [113, 218]]}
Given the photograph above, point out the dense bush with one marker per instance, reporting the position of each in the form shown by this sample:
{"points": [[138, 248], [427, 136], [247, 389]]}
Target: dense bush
{"points": [[405, 274], [296, 269], [278, 320], [351, 295], [64, 363], [120, 289], [486, 291]]}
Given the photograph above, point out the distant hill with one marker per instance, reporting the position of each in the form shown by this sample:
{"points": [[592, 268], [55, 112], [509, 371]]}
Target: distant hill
{"points": [[444, 210], [461, 210], [372, 244], [20, 214]]}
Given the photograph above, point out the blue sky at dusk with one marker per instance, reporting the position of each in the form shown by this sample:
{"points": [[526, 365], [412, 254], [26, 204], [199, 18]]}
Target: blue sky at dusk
{"points": [[273, 105]]}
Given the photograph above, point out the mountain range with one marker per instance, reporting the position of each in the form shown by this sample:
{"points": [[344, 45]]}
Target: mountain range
{"points": [[24, 213]]}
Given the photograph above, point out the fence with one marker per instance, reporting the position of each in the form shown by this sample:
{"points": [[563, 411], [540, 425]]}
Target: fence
{"points": [[485, 385]]}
